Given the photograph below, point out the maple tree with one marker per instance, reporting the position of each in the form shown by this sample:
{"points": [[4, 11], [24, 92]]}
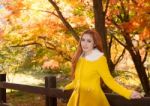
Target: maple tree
{"points": [[33, 30], [122, 16], [24, 26], [130, 18], [57, 24]]}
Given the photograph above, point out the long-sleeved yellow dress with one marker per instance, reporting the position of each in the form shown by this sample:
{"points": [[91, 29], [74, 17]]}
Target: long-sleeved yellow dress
{"points": [[86, 85]]}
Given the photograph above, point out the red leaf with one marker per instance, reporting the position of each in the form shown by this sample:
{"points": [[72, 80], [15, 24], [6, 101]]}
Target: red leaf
{"points": [[145, 34], [113, 1]]}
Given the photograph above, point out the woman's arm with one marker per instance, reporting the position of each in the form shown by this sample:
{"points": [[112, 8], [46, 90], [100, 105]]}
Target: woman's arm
{"points": [[112, 84]]}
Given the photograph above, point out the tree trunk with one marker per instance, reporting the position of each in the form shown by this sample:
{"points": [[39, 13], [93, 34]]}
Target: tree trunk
{"points": [[139, 66], [99, 15], [100, 22], [142, 75], [100, 27], [141, 71]]}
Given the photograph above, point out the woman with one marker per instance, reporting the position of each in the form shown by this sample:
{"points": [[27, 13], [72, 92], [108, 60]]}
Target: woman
{"points": [[89, 65]]}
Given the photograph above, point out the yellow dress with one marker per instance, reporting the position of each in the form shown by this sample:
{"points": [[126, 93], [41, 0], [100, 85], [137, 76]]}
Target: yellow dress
{"points": [[86, 85]]}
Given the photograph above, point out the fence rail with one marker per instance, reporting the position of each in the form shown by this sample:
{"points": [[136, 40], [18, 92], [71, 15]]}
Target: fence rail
{"points": [[52, 93]]}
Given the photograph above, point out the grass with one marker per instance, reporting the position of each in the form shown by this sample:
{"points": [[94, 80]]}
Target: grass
{"points": [[18, 98]]}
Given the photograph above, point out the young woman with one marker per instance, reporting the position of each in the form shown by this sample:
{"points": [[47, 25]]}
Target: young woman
{"points": [[89, 65]]}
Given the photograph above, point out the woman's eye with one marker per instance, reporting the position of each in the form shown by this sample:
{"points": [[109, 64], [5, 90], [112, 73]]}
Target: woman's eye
{"points": [[82, 39], [89, 41]]}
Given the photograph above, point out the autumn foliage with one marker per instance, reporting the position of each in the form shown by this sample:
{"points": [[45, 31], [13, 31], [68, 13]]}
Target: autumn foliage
{"points": [[53, 27]]}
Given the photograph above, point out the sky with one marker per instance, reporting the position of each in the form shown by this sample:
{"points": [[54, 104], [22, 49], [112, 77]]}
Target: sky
{"points": [[1, 6]]}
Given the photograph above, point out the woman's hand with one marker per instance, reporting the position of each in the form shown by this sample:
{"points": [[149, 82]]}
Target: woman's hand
{"points": [[136, 95]]}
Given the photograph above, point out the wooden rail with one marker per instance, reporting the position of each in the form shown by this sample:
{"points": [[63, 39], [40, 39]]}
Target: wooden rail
{"points": [[52, 93]]}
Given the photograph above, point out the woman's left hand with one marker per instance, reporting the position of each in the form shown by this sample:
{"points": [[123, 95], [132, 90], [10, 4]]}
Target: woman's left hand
{"points": [[136, 95]]}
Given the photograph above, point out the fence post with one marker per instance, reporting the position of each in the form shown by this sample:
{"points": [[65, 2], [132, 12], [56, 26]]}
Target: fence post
{"points": [[2, 90], [50, 82]]}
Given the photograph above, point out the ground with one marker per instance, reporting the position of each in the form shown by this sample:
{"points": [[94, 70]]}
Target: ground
{"points": [[18, 98], [25, 99]]}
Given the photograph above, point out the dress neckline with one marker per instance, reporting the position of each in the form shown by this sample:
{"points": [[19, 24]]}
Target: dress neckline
{"points": [[83, 58], [93, 56]]}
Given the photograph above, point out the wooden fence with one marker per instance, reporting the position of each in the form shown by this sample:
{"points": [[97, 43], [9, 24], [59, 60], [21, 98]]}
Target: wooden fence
{"points": [[52, 93]]}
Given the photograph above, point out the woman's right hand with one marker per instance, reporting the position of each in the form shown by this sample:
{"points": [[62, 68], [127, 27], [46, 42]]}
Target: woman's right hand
{"points": [[136, 95]]}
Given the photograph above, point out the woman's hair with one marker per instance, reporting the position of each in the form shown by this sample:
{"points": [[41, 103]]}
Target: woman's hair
{"points": [[98, 44]]}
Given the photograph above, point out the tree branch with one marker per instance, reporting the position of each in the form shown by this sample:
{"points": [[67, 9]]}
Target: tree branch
{"points": [[117, 39], [126, 16], [109, 46], [134, 1], [51, 46], [42, 11], [120, 57], [107, 4], [146, 54], [66, 57], [27, 44], [75, 35], [48, 45]]}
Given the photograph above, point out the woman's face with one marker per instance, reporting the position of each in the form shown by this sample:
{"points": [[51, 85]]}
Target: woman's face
{"points": [[87, 43]]}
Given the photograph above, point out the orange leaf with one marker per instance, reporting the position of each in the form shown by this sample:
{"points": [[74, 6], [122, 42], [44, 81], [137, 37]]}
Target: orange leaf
{"points": [[113, 1], [145, 34]]}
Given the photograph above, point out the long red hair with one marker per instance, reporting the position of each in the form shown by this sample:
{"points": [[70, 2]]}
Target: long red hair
{"points": [[98, 44]]}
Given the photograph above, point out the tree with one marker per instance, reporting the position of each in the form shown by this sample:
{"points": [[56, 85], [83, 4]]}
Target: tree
{"points": [[115, 20], [131, 18], [25, 30], [124, 16]]}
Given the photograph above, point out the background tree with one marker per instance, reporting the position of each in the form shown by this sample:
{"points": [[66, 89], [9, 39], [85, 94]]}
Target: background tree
{"points": [[124, 13], [58, 26], [130, 19]]}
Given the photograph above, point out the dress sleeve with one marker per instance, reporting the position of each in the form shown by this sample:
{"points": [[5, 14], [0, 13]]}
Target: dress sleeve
{"points": [[109, 80], [70, 85]]}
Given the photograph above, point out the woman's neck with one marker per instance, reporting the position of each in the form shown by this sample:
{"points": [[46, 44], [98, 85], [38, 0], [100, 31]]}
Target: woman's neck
{"points": [[93, 55], [87, 53]]}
